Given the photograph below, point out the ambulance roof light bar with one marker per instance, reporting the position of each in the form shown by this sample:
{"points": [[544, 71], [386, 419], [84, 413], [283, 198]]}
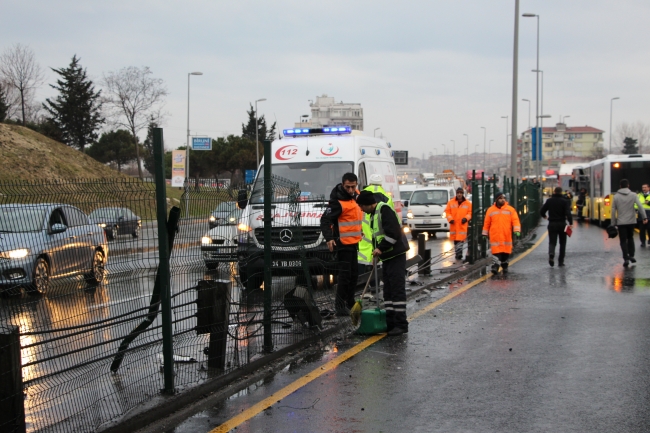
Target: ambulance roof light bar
{"points": [[313, 131]]}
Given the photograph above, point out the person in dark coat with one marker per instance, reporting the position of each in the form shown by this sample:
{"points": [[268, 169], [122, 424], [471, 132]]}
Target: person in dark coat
{"points": [[559, 213], [580, 203]]}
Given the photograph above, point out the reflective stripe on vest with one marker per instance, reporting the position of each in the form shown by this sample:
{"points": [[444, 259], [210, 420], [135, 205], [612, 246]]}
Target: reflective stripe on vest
{"points": [[350, 222], [378, 229]]}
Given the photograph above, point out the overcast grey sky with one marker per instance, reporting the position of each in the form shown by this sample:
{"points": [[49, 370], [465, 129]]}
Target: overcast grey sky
{"points": [[425, 72]]}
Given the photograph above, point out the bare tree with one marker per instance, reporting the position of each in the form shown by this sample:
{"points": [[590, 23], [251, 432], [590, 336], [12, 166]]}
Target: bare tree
{"points": [[19, 69], [132, 96], [638, 130]]}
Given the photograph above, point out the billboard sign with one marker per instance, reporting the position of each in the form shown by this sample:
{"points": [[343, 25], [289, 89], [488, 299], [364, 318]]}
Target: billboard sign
{"points": [[178, 168], [201, 143]]}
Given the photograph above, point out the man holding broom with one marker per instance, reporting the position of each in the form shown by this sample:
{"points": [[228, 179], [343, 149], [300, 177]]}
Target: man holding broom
{"points": [[390, 246]]}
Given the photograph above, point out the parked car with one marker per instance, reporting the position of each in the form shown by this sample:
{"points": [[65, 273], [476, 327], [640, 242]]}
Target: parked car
{"points": [[39, 242], [223, 210], [117, 221], [219, 244]]}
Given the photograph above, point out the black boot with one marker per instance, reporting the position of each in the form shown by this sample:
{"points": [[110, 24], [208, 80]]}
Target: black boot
{"points": [[550, 260], [495, 268], [504, 266]]}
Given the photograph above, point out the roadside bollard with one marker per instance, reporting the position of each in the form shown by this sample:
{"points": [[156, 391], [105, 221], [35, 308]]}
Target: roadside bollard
{"points": [[425, 254], [212, 311], [12, 415]]}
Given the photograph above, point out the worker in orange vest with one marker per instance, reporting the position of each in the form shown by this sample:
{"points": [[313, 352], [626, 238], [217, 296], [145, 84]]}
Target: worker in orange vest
{"points": [[501, 220], [459, 213], [341, 228]]}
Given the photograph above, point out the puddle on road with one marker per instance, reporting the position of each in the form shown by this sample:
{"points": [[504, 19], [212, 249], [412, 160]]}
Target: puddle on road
{"points": [[627, 283]]}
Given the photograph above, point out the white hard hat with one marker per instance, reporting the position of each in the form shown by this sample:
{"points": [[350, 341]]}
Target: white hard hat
{"points": [[376, 179]]}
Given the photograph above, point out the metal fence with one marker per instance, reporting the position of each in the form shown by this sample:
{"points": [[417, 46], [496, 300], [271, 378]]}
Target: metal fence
{"points": [[85, 316]]}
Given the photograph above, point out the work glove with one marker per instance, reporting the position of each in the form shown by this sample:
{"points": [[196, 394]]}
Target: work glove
{"points": [[485, 238], [451, 222], [518, 234], [464, 220]]}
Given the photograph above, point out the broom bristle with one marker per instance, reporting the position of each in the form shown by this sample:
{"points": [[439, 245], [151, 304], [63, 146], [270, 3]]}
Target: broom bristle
{"points": [[355, 313]]}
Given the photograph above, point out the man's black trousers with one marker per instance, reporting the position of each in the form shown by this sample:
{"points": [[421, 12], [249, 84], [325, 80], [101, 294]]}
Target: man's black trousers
{"points": [[555, 230], [394, 277], [626, 237], [347, 256]]}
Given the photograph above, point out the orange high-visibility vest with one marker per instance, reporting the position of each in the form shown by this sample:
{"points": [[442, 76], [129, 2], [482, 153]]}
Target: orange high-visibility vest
{"points": [[499, 225], [350, 222], [456, 213]]}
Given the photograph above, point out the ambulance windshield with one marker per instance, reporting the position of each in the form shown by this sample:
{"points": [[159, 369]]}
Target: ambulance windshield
{"points": [[315, 180]]}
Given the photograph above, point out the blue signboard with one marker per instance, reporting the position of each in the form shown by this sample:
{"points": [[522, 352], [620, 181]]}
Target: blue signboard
{"points": [[250, 175], [201, 143]]}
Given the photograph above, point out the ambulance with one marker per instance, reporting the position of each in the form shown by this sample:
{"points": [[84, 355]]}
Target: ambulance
{"points": [[314, 160]]}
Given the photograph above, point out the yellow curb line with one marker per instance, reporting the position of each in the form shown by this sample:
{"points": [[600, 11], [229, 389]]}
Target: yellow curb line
{"points": [[332, 364]]}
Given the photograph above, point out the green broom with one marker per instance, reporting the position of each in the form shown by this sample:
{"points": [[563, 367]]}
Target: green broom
{"points": [[355, 311]]}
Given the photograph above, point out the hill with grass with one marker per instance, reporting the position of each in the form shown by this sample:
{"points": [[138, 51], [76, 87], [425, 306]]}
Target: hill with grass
{"points": [[28, 155]]}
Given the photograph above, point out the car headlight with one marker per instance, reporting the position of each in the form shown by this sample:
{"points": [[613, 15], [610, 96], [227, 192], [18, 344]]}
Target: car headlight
{"points": [[205, 240], [409, 215], [232, 219], [212, 218], [15, 254], [444, 214], [243, 228], [102, 225]]}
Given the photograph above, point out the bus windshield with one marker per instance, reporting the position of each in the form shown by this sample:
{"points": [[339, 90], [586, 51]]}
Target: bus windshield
{"points": [[315, 180], [636, 172]]}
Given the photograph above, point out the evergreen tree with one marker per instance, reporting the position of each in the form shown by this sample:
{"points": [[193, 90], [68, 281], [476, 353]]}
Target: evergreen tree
{"points": [[76, 111], [4, 104], [147, 151], [248, 129], [117, 147], [630, 146]]}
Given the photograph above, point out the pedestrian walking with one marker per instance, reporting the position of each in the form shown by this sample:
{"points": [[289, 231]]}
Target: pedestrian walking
{"points": [[644, 228], [624, 219], [581, 202], [365, 246], [459, 213], [341, 228], [559, 215], [500, 221], [390, 246]]}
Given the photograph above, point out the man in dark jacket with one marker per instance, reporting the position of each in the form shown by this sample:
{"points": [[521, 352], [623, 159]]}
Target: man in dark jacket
{"points": [[341, 228], [390, 246], [559, 212]]}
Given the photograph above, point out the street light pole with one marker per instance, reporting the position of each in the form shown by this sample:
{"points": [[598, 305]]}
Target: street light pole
{"points": [[187, 148], [257, 141], [454, 156], [374, 133], [466, 166], [506, 117], [490, 147], [611, 108], [537, 108], [515, 76], [484, 138], [527, 100]]}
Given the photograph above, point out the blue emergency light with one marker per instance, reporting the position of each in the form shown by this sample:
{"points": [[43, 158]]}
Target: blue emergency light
{"points": [[312, 131]]}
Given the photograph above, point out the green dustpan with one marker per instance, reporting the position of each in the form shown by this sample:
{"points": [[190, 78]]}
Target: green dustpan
{"points": [[373, 320]]}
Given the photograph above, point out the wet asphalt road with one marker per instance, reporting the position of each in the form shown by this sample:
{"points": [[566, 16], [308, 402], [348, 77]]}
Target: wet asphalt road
{"points": [[543, 349]]}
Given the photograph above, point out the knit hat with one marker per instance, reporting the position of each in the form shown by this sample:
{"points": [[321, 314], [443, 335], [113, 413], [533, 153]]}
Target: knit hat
{"points": [[459, 189], [497, 195], [366, 198]]}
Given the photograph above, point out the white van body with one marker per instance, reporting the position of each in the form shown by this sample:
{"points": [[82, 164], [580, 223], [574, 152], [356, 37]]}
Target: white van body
{"points": [[426, 210], [317, 163], [405, 191]]}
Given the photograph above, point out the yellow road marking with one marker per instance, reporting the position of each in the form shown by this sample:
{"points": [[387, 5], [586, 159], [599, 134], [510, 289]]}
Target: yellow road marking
{"points": [[332, 364]]}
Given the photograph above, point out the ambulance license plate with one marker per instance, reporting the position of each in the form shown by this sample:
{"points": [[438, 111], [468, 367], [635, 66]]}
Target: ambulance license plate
{"points": [[285, 263]]}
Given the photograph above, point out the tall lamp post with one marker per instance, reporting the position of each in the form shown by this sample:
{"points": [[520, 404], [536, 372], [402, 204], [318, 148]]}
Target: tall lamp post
{"points": [[537, 108], [541, 122], [515, 78], [257, 141], [466, 167], [611, 108], [187, 148], [490, 147], [527, 100], [374, 133], [475, 153], [506, 117], [454, 155], [484, 139]]}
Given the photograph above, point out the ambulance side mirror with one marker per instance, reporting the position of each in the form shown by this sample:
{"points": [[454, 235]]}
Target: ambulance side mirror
{"points": [[242, 199]]}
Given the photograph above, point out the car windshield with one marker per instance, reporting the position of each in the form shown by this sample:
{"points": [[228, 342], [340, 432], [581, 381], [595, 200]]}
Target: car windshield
{"points": [[429, 197], [104, 213], [21, 219], [315, 180], [226, 206]]}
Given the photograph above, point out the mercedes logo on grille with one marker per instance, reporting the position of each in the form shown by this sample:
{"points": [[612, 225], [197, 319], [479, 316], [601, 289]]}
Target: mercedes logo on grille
{"points": [[286, 235]]}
